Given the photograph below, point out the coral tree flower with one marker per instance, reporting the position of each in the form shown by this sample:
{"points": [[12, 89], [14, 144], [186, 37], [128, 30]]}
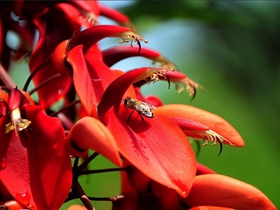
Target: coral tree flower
{"points": [[147, 139], [33, 149]]}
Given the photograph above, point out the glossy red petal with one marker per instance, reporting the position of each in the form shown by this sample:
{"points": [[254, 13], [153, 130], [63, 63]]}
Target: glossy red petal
{"points": [[224, 191], [118, 53], [160, 153], [38, 169], [92, 35], [89, 133], [213, 121], [88, 91]]}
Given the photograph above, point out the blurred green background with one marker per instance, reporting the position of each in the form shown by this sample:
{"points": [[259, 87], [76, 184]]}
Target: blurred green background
{"points": [[232, 48]]}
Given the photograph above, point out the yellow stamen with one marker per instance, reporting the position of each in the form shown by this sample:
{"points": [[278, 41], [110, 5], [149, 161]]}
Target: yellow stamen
{"points": [[17, 123]]}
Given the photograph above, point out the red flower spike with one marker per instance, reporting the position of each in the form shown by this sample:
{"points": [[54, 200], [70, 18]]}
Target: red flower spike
{"points": [[223, 191], [43, 165], [89, 133], [162, 154], [118, 53], [214, 122]]}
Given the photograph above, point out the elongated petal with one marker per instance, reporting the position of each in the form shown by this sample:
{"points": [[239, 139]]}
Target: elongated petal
{"points": [[82, 80], [224, 191], [92, 35], [151, 147], [37, 168], [215, 122], [90, 133], [118, 53]]}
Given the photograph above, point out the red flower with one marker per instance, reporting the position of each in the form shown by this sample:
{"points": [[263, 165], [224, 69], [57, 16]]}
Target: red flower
{"points": [[33, 149], [145, 138]]}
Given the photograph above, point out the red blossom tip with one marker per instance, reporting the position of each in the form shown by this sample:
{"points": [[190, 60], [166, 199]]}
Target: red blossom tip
{"points": [[118, 53], [15, 97]]}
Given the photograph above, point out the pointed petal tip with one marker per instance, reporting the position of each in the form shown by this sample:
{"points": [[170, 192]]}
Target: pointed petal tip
{"points": [[89, 133]]}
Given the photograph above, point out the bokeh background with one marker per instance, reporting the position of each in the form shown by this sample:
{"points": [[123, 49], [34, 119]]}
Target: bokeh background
{"points": [[232, 48]]}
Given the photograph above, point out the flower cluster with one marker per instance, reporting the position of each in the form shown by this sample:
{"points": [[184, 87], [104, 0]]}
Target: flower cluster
{"points": [[44, 149]]}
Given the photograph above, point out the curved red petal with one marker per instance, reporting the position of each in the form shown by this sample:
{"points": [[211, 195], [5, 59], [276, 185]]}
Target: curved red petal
{"points": [[162, 154], [86, 91], [118, 53], [89, 133], [92, 35], [213, 121], [38, 169], [224, 191]]}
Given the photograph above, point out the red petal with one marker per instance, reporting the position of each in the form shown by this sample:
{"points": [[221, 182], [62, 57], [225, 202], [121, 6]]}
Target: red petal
{"points": [[161, 154], [90, 133], [49, 38], [118, 53], [220, 190], [38, 170], [92, 35], [215, 122], [82, 81]]}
